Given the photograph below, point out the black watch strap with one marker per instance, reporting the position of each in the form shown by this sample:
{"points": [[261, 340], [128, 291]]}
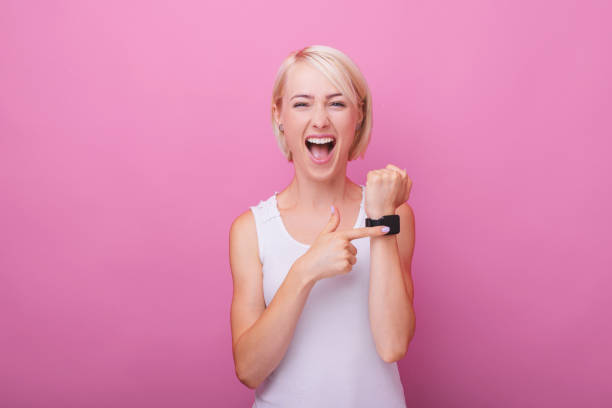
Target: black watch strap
{"points": [[391, 221]]}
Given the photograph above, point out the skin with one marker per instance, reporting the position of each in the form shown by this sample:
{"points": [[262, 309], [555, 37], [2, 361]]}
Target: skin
{"points": [[260, 334]]}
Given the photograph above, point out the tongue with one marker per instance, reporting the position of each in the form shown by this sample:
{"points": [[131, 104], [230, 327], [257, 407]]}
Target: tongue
{"points": [[319, 151]]}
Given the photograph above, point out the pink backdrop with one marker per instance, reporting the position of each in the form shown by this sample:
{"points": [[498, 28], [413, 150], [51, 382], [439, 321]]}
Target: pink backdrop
{"points": [[133, 133]]}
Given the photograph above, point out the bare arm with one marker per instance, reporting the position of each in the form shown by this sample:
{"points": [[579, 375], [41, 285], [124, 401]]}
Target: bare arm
{"points": [[392, 317], [260, 335]]}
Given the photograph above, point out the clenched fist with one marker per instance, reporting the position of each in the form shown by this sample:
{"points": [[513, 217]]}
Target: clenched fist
{"points": [[386, 189]]}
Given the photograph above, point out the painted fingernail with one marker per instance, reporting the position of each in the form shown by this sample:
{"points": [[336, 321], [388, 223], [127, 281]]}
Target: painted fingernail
{"points": [[385, 229], [332, 208]]}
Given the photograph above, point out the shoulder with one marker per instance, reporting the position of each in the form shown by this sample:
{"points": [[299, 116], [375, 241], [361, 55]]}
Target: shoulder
{"points": [[243, 224], [243, 220], [243, 234], [406, 235], [406, 214], [249, 218]]}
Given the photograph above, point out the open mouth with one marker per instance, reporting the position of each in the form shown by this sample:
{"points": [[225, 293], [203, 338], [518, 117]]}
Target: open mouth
{"points": [[320, 149]]}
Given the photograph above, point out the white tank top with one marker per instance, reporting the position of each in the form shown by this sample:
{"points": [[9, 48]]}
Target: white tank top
{"points": [[332, 359]]}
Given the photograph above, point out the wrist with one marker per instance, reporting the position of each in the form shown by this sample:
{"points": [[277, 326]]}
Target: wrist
{"points": [[379, 213], [383, 238], [302, 276]]}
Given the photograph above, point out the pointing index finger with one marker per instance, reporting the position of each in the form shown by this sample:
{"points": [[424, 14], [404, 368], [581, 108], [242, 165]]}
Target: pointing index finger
{"points": [[363, 232]]}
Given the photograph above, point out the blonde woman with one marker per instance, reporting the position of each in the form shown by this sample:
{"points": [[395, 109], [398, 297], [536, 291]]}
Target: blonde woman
{"points": [[323, 305]]}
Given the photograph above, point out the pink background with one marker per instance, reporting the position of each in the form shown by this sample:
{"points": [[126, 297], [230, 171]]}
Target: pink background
{"points": [[133, 133]]}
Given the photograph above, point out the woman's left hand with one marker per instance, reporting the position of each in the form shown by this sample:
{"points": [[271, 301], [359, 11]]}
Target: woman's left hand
{"points": [[386, 189]]}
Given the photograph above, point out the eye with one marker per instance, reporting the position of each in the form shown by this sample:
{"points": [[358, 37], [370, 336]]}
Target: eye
{"points": [[305, 104]]}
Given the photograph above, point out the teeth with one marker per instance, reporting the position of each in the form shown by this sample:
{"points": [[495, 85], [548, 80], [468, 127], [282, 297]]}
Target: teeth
{"points": [[320, 140]]}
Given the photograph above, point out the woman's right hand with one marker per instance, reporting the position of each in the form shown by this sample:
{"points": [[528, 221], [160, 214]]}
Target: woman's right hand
{"points": [[332, 253]]}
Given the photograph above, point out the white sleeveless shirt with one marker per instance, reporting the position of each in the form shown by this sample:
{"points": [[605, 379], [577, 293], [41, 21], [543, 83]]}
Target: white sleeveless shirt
{"points": [[332, 359]]}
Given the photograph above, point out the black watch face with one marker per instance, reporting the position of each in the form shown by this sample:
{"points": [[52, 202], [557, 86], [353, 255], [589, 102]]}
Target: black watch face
{"points": [[391, 221]]}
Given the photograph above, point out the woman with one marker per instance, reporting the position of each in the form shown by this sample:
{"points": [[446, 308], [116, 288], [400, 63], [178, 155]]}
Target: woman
{"points": [[322, 305]]}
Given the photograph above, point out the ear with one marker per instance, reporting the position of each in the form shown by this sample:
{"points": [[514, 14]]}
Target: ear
{"points": [[360, 113], [276, 112]]}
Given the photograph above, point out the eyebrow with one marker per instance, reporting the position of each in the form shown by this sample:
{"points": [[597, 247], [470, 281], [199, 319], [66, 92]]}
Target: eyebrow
{"points": [[310, 96]]}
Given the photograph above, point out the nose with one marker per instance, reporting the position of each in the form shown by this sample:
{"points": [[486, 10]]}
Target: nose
{"points": [[319, 118]]}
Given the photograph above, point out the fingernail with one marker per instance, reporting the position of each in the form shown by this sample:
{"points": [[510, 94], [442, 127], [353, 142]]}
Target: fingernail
{"points": [[333, 208], [385, 229]]}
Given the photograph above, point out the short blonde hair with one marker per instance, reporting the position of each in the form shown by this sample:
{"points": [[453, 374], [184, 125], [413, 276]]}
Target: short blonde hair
{"points": [[343, 73]]}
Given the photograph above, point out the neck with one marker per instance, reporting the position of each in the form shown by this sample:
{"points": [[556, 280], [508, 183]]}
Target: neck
{"points": [[317, 196]]}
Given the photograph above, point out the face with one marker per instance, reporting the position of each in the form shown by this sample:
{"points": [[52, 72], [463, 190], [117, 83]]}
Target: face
{"points": [[318, 120]]}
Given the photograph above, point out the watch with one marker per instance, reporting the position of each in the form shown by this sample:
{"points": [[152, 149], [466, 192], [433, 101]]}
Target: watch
{"points": [[391, 221]]}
